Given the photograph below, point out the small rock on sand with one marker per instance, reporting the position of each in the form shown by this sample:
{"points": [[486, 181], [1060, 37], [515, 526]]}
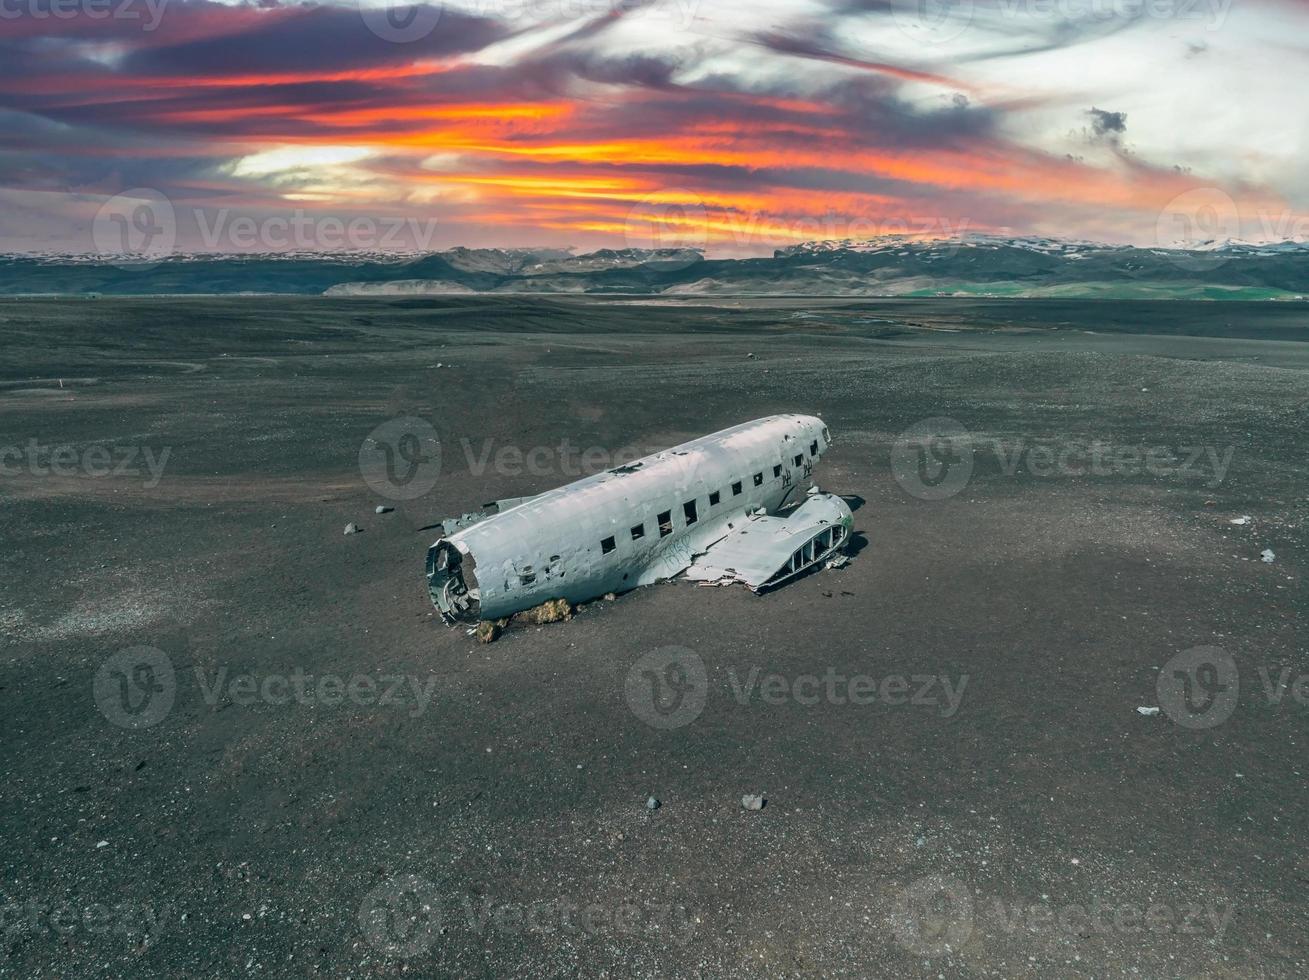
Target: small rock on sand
{"points": [[352, 528], [752, 802]]}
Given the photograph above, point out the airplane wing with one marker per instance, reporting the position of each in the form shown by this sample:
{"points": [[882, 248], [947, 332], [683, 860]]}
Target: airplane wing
{"points": [[764, 551]]}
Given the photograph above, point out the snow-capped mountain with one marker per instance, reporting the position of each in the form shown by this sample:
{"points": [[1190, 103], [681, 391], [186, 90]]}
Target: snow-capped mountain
{"points": [[973, 265]]}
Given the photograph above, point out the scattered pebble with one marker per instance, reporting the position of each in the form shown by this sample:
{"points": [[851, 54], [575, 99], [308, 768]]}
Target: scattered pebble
{"points": [[352, 528], [1149, 712], [752, 802], [383, 509], [652, 804], [1241, 521], [103, 843], [1266, 556]]}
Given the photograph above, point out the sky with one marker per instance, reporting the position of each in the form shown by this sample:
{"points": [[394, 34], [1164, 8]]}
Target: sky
{"points": [[735, 126]]}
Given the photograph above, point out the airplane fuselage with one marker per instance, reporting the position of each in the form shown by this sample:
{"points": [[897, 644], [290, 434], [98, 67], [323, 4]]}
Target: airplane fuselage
{"points": [[626, 527]]}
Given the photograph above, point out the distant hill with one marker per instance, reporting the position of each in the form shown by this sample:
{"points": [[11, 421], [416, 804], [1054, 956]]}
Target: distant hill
{"points": [[977, 265]]}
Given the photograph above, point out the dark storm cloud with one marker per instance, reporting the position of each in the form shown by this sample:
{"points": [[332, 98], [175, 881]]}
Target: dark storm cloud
{"points": [[1105, 123], [313, 38]]}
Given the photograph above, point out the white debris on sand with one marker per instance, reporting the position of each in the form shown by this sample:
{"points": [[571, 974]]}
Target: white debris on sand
{"points": [[352, 528], [1241, 521], [383, 509], [1149, 712], [1267, 557], [752, 802]]}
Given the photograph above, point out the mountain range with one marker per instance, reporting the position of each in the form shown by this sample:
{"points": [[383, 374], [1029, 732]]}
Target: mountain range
{"points": [[977, 265]]}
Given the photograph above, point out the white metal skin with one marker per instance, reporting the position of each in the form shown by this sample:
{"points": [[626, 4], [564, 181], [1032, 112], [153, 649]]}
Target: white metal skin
{"points": [[580, 541]]}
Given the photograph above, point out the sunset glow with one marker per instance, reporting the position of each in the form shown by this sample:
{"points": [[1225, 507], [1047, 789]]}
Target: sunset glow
{"points": [[726, 126]]}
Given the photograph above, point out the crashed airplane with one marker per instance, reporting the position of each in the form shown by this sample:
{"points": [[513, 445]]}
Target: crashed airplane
{"points": [[708, 508]]}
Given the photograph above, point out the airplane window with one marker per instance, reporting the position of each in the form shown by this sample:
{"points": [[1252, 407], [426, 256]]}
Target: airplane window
{"points": [[736, 489], [714, 498], [813, 448], [638, 532], [777, 470], [688, 509], [665, 524], [799, 460], [759, 479], [608, 545]]}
